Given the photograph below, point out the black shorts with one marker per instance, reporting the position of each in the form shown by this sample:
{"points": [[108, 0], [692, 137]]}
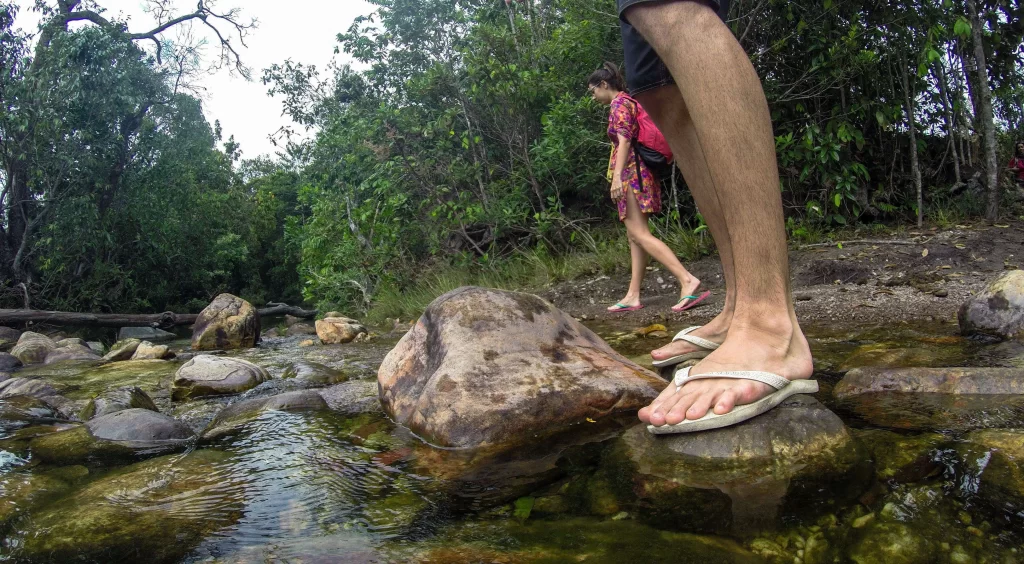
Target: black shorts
{"points": [[644, 68]]}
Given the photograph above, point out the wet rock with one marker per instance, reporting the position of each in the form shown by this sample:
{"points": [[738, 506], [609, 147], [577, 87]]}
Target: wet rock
{"points": [[290, 320], [160, 508], [78, 353], [151, 334], [229, 322], [487, 368], [236, 415], [353, 398], [338, 330], [122, 350], [271, 333], [999, 457], [26, 387], [300, 329], [24, 410], [923, 399], [998, 310], [744, 477], [902, 458], [122, 434], [314, 373], [892, 543], [149, 351], [8, 338], [115, 400], [70, 342], [880, 356], [208, 375], [97, 347], [32, 348], [9, 363]]}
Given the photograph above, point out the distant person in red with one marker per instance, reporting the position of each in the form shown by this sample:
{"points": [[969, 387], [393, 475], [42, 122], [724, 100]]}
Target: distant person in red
{"points": [[1016, 165], [635, 188]]}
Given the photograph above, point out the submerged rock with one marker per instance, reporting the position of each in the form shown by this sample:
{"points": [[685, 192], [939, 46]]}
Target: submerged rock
{"points": [[314, 373], [151, 334], [229, 322], [21, 492], [872, 356], [999, 454], [208, 375], [935, 398], [892, 543], [744, 477], [352, 398], [122, 350], [122, 434], [337, 330], [486, 368], [25, 410], [149, 351], [119, 399], [998, 310], [236, 415], [154, 511], [32, 348], [902, 458]]}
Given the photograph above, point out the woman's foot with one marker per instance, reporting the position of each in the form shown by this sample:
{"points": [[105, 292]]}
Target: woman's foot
{"points": [[687, 288], [630, 303], [776, 346]]}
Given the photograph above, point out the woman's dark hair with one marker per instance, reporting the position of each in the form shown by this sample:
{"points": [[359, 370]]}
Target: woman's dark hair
{"points": [[608, 73]]}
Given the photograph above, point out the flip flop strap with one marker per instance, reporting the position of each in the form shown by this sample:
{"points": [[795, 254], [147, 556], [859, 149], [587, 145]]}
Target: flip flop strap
{"points": [[773, 380], [684, 335]]}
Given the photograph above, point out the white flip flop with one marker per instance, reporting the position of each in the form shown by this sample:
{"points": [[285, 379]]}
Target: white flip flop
{"points": [[685, 335], [783, 389]]}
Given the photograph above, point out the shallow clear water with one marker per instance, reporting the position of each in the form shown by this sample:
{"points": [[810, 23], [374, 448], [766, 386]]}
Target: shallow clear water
{"points": [[352, 487]]}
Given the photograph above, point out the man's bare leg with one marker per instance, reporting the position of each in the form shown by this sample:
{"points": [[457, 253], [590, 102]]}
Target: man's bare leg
{"points": [[730, 116], [666, 107]]}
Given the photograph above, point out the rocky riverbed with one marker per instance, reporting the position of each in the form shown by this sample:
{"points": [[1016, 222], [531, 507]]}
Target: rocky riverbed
{"points": [[506, 434]]}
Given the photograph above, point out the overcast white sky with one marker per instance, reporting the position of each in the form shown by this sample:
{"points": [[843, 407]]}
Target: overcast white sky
{"points": [[303, 30]]}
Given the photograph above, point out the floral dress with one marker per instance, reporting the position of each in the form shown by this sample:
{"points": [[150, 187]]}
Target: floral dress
{"points": [[622, 121]]}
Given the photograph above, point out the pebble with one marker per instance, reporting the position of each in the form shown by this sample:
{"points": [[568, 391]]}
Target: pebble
{"points": [[942, 293], [860, 522]]}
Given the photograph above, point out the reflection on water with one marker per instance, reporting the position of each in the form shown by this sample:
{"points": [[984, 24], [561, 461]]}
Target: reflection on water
{"points": [[333, 486]]}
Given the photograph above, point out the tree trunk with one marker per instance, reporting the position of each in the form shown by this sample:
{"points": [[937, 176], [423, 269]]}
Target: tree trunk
{"points": [[908, 98], [986, 121], [947, 114], [165, 320]]}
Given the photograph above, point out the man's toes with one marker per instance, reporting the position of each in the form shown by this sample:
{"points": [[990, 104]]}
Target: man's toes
{"points": [[701, 404], [726, 402], [644, 414], [676, 413]]}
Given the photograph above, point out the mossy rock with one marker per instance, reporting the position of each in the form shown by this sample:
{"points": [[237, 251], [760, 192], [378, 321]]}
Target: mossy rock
{"points": [[122, 350], [899, 457], [120, 399], [234, 417], [154, 511], [21, 492], [892, 543], [127, 434], [1001, 480], [85, 382]]}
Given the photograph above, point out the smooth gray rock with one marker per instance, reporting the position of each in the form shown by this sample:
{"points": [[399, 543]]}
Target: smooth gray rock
{"points": [[120, 399], [998, 310], [9, 362], [71, 352], [208, 375], [130, 433], [151, 334]]}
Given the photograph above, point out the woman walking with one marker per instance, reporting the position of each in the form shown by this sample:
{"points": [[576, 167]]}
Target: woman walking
{"points": [[636, 191]]}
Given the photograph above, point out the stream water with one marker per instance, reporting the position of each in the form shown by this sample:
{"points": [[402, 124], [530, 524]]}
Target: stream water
{"points": [[347, 485]]}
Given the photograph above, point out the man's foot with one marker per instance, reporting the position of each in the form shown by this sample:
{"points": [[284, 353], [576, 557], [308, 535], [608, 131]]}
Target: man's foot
{"points": [[779, 348], [715, 331]]}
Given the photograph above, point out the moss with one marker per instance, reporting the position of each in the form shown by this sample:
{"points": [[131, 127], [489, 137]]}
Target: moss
{"points": [[84, 381], [904, 458]]}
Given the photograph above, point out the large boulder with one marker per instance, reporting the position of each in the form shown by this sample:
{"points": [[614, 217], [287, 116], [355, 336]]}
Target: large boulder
{"points": [[123, 434], [119, 399], [208, 375], [236, 415], [149, 351], [933, 399], [229, 322], [32, 348], [488, 368], [122, 350], [998, 310], [151, 334], [745, 477], [337, 330]]}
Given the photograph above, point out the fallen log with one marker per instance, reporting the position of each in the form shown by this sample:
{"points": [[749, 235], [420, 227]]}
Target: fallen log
{"points": [[165, 320]]}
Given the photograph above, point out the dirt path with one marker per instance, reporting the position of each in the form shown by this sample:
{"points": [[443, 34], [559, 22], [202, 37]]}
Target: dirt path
{"points": [[916, 275]]}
